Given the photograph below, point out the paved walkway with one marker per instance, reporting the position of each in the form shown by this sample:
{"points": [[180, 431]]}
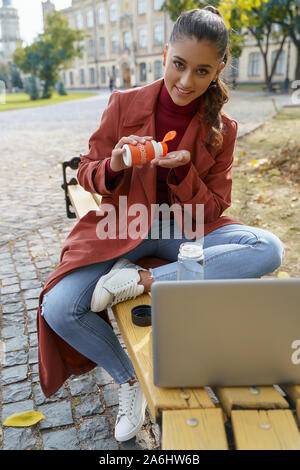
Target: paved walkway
{"points": [[33, 227]]}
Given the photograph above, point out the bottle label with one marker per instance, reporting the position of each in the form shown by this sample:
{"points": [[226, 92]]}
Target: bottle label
{"points": [[141, 153]]}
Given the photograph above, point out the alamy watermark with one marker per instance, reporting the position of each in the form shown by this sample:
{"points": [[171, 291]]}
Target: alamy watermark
{"points": [[295, 357], [132, 221], [2, 92], [295, 97]]}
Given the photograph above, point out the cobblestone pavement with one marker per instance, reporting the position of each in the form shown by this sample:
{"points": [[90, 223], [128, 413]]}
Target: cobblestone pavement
{"points": [[33, 227]]}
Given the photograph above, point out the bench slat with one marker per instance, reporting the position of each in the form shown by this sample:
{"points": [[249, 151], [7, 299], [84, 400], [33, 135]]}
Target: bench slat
{"points": [[265, 430], [138, 341], [97, 198], [247, 397], [208, 434], [81, 200]]}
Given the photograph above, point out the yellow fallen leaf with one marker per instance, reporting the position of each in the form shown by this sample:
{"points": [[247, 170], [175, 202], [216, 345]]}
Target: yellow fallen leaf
{"points": [[274, 172], [27, 418], [283, 274]]}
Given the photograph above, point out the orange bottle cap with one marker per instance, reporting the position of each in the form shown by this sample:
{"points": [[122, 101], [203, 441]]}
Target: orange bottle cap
{"points": [[169, 136]]}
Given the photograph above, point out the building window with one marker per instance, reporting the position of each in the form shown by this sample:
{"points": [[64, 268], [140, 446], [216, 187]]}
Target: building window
{"points": [[114, 43], [64, 77], [103, 74], [279, 69], [79, 21], [90, 19], [158, 71], [143, 37], [82, 79], [254, 64], [101, 15], [127, 40], [142, 7], [102, 45], [158, 4], [92, 76], [113, 12], [91, 47], [143, 74], [71, 78], [158, 34]]}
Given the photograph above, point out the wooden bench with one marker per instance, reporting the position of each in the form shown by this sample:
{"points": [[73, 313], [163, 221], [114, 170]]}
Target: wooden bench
{"points": [[243, 418]]}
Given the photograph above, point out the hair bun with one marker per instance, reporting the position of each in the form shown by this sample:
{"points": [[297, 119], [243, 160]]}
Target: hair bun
{"points": [[213, 10]]}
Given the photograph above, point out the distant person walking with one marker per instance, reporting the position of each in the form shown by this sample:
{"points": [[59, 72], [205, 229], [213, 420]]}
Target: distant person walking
{"points": [[111, 84]]}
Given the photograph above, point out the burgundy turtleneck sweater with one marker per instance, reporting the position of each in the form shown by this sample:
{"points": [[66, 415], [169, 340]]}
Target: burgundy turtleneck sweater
{"points": [[168, 117]]}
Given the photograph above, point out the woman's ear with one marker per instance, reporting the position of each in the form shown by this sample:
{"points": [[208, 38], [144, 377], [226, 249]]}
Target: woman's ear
{"points": [[220, 68]]}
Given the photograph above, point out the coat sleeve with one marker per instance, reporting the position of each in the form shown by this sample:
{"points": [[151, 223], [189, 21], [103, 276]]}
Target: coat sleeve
{"points": [[91, 170], [214, 190]]}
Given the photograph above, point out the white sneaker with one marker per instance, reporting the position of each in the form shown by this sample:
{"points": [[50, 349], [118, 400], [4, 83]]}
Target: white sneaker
{"points": [[131, 414], [121, 283]]}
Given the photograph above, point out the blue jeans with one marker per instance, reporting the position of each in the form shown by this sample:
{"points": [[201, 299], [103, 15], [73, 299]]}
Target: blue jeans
{"points": [[232, 251]]}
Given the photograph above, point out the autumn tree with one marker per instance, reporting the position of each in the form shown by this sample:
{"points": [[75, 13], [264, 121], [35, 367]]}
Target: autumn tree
{"points": [[285, 13], [260, 23], [51, 52]]}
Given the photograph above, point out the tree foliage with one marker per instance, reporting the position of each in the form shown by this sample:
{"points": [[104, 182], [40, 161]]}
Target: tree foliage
{"points": [[175, 7], [51, 52], [285, 13]]}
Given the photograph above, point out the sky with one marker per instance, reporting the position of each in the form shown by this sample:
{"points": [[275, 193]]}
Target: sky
{"points": [[31, 16]]}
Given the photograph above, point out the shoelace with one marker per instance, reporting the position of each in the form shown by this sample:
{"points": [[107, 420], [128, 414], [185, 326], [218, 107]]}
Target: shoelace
{"points": [[126, 400], [128, 293]]}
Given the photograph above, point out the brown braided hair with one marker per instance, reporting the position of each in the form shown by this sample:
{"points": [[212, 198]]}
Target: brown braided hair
{"points": [[208, 24]]}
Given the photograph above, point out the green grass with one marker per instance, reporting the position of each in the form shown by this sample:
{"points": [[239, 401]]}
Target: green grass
{"points": [[21, 100], [250, 87]]}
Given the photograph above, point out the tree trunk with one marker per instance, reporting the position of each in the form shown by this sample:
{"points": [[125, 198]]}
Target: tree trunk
{"points": [[266, 67], [46, 89], [297, 71]]}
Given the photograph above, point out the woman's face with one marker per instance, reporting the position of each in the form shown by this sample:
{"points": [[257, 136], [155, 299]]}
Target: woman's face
{"points": [[190, 67]]}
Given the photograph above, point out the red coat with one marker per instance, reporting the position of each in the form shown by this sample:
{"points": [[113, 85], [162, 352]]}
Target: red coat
{"points": [[208, 182]]}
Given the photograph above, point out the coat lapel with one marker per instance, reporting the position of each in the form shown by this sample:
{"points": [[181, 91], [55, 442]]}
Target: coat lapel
{"points": [[194, 140]]}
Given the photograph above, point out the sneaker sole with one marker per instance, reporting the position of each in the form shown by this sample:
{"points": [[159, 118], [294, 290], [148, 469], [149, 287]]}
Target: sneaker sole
{"points": [[118, 265], [133, 433]]}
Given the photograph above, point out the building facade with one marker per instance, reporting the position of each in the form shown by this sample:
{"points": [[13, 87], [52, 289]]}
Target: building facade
{"points": [[9, 31], [125, 42], [250, 69]]}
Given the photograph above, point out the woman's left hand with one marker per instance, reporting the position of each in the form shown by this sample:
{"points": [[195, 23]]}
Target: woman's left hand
{"points": [[172, 159]]}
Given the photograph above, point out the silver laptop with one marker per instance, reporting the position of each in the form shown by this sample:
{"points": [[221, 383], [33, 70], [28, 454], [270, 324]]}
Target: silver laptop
{"points": [[226, 332]]}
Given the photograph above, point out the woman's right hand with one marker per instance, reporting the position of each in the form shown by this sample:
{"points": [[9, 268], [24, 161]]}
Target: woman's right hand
{"points": [[116, 160]]}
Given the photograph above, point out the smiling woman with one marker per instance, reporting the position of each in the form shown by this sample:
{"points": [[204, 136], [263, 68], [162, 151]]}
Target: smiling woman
{"points": [[95, 274], [196, 55]]}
